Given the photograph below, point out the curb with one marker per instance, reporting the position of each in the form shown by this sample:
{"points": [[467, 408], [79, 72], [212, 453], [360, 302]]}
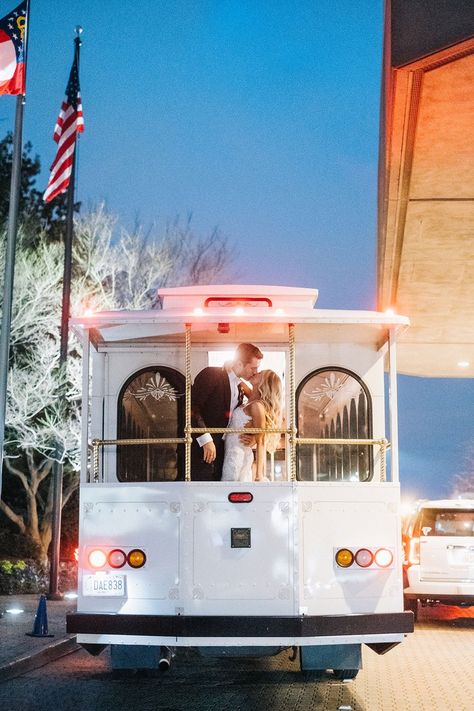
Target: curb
{"points": [[43, 656]]}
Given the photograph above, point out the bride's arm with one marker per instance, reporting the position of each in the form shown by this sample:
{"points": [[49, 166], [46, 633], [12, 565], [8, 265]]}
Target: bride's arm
{"points": [[257, 411]]}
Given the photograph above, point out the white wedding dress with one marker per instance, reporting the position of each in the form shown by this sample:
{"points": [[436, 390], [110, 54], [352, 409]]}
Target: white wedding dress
{"points": [[238, 458]]}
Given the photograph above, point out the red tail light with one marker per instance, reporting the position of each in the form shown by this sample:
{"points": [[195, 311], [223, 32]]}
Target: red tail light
{"points": [[117, 558], [364, 557], [240, 497]]}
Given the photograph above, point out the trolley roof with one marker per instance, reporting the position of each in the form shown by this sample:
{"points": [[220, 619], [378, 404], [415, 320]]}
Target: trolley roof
{"points": [[226, 313]]}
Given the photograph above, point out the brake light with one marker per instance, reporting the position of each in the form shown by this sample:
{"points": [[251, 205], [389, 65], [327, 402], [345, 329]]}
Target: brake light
{"points": [[240, 497], [414, 551], [383, 557], [97, 558]]}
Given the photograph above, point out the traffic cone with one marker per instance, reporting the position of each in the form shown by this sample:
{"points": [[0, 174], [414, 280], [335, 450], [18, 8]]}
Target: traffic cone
{"points": [[40, 625]]}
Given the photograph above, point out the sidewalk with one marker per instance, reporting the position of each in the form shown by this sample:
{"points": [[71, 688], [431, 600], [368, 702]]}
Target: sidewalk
{"points": [[19, 652]]}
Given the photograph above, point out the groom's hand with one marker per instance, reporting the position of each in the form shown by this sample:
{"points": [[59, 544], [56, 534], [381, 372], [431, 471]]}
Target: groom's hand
{"points": [[209, 452], [248, 440]]}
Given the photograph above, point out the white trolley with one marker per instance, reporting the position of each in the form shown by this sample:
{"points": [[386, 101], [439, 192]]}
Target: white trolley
{"points": [[310, 559]]}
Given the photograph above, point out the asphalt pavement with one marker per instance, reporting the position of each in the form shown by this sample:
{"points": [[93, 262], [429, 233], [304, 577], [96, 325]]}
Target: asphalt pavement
{"points": [[19, 651]]}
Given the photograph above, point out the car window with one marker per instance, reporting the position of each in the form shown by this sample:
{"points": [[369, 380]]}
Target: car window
{"points": [[447, 522]]}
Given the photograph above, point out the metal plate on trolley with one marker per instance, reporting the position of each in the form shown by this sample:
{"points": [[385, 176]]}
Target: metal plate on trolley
{"points": [[240, 538], [111, 585]]}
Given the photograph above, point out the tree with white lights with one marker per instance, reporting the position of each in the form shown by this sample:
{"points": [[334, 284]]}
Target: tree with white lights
{"points": [[111, 269]]}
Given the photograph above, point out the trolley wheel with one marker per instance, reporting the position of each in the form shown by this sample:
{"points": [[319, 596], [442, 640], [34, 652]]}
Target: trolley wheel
{"points": [[412, 605], [342, 674]]}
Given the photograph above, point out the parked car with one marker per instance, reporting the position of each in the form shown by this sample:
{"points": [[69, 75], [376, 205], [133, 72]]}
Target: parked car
{"points": [[439, 554]]}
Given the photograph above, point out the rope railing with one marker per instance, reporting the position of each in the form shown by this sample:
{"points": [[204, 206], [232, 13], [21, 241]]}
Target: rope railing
{"points": [[96, 443]]}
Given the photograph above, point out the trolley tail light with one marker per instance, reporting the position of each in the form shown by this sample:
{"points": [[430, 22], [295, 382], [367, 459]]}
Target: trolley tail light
{"points": [[357, 558], [240, 497], [136, 558], [344, 557], [383, 558], [117, 558], [364, 557], [97, 558]]}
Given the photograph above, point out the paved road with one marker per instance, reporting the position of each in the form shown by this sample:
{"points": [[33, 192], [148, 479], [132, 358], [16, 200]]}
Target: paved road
{"points": [[433, 670]]}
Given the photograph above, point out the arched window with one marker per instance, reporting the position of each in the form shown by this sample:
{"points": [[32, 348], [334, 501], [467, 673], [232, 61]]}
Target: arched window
{"points": [[346, 451], [334, 403], [151, 404]]}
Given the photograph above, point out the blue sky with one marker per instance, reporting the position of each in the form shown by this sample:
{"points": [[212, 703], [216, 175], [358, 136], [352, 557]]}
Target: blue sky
{"points": [[259, 117]]}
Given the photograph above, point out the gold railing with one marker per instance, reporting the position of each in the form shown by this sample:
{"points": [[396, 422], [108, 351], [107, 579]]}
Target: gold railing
{"points": [[382, 443]]}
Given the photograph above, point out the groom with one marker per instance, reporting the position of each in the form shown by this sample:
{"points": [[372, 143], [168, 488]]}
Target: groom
{"points": [[215, 394]]}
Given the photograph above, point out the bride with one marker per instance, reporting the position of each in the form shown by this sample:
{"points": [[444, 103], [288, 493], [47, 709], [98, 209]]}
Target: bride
{"points": [[263, 409]]}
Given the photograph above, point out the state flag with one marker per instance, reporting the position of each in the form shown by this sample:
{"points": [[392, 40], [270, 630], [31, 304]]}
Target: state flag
{"points": [[12, 50]]}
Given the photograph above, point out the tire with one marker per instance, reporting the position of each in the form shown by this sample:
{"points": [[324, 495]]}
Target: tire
{"points": [[343, 674]]}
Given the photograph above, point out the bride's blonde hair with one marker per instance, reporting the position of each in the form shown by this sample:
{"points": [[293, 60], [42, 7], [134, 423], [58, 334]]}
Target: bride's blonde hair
{"points": [[270, 392]]}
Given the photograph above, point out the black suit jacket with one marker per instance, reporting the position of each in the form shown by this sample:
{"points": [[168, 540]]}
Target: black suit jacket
{"points": [[210, 398], [210, 407]]}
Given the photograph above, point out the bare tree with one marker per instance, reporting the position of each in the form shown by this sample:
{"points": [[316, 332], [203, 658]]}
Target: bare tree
{"points": [[112, 269]]}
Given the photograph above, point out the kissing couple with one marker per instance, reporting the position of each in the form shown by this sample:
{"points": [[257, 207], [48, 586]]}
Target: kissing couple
{"points": [[222, 397]]}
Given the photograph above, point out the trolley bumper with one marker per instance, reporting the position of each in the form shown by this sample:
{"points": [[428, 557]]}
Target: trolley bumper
{"points": [[239, 626]]}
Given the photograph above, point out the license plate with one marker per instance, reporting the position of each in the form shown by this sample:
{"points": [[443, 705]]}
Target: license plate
{"points": [[104, 585]]}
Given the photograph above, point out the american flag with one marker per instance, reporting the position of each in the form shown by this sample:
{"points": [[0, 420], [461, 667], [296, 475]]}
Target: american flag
{"points": [[70, 122]]}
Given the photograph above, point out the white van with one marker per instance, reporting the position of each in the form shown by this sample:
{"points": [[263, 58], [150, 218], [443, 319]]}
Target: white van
{"points": [[439, 554]]}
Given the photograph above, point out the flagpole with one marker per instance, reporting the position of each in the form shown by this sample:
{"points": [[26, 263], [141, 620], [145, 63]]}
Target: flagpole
{"points": [[10, 270], [10, 250], [57, 473]]}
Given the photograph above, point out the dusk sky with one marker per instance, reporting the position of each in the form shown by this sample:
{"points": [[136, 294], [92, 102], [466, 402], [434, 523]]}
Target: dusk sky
{"points": [[261, 118]]}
